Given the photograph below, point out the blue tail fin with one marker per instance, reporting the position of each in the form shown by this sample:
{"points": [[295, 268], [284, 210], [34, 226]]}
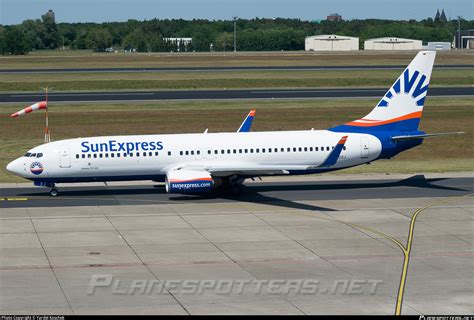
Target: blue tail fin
{"points": [[400, 109]]}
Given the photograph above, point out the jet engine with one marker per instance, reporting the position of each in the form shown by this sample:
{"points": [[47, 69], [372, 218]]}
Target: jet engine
{"points": [[189, 181]]}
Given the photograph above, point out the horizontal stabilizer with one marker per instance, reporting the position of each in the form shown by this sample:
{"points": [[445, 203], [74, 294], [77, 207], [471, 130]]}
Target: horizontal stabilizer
{"points": [[422, 136]]}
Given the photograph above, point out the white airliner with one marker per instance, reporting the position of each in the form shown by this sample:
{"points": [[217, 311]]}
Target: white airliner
{"points": [[196, 163]]}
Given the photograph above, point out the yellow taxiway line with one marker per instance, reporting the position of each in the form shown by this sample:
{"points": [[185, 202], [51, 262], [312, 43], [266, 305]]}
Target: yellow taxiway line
{"points": [[405, 249], [13, 199]]}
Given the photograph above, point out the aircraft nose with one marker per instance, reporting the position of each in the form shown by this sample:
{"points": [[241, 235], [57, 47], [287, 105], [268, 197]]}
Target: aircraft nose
{"points": [[15, 167]]}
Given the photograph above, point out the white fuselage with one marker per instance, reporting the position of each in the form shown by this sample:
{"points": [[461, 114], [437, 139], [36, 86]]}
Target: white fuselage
{"points": [[147, 157]]}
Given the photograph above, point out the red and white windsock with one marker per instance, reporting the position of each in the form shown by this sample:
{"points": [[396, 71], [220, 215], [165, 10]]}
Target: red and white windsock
{"points": [[33, 107]]}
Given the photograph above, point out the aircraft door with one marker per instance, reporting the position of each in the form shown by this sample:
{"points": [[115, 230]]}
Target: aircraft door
{"points": [[64, 159], [364, 145]]}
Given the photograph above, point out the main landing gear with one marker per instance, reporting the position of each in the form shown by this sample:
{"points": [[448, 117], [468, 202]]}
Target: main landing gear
{"points": [[53, 192]]}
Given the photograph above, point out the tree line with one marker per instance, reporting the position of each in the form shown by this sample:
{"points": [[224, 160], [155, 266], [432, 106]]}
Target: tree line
{"points": [[252, 34]]}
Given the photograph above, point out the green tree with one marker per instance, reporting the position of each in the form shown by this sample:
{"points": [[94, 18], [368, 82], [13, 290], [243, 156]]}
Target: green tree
{"points": [[52, 39], [16, 41], [225, 42], [36, 33], [3, 46], [135, 40], [100, 39]]}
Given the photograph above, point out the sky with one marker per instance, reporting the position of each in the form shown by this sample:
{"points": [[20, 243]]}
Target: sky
{"points": [[15, 11]]}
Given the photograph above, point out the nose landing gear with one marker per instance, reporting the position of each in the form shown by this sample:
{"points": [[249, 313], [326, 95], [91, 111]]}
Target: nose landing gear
{"points": [[53, 192]]}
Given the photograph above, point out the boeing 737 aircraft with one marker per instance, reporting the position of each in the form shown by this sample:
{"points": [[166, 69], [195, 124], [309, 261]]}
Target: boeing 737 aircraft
{"points": [[196, 163]]}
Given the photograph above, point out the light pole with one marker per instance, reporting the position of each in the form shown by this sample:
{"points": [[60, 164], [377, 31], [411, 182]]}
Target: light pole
{"points": [[459, 32], [235, 34]]}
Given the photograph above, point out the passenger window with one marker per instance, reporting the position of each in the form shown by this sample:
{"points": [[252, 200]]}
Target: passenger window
{"points": [[89, 156], [156, 153], [112, 155], [144, 154], [181, 153], [169, 153], [282, 150], [198, 152], [106, 155], [77, 156], [276, 150], [100, 155], [208, 151], [300, 149], [187, 153], [124, 155], [222, 151], [246, 150], [192, 152], [305, 149], [240, 150], [294, 149], [216, 151], [310, 148], [263, 150], [288, 149], [327, 148], [344, 148], [150, 154], [251, 150], [234, 151], [83, 156], [316, 149], [228, 151], [95, 155], [138, 154]]}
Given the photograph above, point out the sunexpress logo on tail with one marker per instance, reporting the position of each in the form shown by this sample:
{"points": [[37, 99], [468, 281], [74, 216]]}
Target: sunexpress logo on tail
{"points": [[410, 85], [118, 146]]}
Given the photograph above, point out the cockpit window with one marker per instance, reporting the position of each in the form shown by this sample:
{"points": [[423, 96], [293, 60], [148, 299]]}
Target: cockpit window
{"points": [[33, 155]]}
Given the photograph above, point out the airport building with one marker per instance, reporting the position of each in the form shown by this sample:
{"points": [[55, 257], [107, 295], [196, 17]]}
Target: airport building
{"points": [[331, 42], [464, 39], [334, 17], [439, 46], [391, 43]]}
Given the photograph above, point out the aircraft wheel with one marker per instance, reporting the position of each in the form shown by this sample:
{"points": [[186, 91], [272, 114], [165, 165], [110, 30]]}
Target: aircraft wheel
{"points": [[54, 192]]}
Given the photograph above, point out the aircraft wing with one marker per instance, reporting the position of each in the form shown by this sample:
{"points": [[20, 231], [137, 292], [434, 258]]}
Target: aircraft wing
{"points": [[243, 169], [223, 169]]}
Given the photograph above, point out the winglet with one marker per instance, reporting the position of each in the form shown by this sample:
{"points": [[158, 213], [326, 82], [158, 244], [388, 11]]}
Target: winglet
{"points": [[335, 153], [247, 123]]}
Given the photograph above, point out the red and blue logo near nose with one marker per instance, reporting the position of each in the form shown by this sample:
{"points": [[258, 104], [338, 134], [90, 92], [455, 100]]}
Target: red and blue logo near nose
{"points": [[36, 168]]}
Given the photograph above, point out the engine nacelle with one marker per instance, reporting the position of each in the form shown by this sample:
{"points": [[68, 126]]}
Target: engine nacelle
{"points": [[188, 181]]}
